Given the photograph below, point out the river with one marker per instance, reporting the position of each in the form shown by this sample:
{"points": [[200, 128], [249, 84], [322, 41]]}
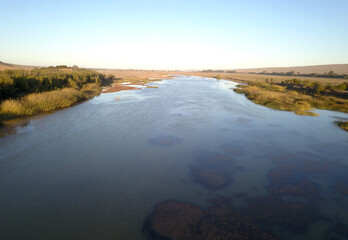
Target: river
{"points": [[98, 169]]}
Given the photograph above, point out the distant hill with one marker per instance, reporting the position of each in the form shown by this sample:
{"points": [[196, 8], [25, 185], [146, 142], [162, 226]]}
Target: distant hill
{"points": [[337, 68], [4, 66]]}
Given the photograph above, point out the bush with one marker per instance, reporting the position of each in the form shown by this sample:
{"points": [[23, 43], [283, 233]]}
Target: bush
{"points": [[342, 86]]}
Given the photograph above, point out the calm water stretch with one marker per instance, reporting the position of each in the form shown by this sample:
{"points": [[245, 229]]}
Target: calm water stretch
{"points": [[99, 169]]}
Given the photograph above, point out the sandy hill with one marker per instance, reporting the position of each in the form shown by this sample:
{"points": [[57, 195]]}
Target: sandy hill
{"points": [[337, 68]]}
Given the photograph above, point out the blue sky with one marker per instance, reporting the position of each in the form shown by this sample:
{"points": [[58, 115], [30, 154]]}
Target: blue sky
{"points": [[177, 34]]}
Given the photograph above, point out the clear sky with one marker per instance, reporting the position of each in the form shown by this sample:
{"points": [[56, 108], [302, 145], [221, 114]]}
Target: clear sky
{"points": [[160, 34]]}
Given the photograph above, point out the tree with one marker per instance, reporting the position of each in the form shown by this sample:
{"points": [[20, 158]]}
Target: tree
{"points": [[319, 87], [331, 74]]}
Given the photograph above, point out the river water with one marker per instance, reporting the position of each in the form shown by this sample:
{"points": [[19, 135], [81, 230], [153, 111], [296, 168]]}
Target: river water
{"points": [[98, 169]]}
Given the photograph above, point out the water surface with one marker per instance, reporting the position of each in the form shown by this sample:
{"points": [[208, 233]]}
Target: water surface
{"points": [[98, 169]]}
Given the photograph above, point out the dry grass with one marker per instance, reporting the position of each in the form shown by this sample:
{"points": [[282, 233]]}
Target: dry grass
{"points": [[45, 102]]}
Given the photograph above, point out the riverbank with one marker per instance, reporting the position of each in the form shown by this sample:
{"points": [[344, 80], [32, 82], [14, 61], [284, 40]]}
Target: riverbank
{"points": [[31, 104], [300, 100], [36, 103], [26, 93]]}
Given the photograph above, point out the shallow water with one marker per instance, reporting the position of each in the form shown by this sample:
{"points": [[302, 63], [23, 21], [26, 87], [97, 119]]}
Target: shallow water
{"points": [[98, 169]]}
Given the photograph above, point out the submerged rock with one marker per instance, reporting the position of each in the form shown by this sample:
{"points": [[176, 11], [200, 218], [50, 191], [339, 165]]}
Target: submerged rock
{"points": [[291, 182], [341, 229], [234, 150], [174, 220], [341, 187], [211, 178], [274, 211], [213, 171], [292, 176]]}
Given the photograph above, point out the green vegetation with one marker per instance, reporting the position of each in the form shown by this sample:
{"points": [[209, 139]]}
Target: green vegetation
{"points": [[26, 93], [343, 125], [297, 96], [18, 83]]}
